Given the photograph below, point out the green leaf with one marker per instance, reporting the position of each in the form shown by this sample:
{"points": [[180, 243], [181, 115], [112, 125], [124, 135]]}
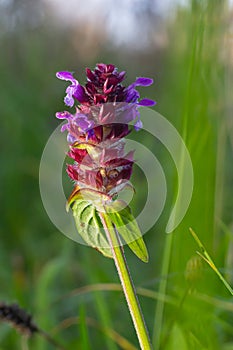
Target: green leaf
{"points": [[127, 226], [205, 256], [86, 203], [89, 226]]}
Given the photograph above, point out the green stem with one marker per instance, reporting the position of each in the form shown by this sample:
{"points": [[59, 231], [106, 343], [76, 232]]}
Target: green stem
{"points": [[205, 256], [127, 283]]}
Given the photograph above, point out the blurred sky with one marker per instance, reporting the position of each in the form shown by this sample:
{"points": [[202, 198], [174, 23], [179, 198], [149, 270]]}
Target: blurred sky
{"points": [[163, 7], [122, 22], [127, 21], [102, 5]]}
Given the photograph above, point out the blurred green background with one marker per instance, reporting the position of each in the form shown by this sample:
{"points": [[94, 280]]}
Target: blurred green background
{"points": [[187, 48]]}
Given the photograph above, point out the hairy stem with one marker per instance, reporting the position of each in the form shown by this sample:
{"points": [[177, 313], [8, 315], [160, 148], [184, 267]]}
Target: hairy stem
{"points": [[126, 282]]}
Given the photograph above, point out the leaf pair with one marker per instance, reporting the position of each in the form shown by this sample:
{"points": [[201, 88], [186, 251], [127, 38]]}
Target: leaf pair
{"points": [[88, 204]]}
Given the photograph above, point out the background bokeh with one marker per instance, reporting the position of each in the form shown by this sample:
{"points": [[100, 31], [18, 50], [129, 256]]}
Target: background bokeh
{"points": [[187, 48]]}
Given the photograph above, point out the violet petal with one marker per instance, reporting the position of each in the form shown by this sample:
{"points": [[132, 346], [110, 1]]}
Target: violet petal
{"points": [[146, 102], [131, 94], [69, 101], [79, 93], [121, 76], [141, 81], [64, 127], [63, 115], [138, 125], [71, 138], [65, 76]]}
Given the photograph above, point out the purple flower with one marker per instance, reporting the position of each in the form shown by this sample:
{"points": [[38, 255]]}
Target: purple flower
{"points": [[97, 128], [77, 124], [132, 95], [104, 85], [72, 90]]}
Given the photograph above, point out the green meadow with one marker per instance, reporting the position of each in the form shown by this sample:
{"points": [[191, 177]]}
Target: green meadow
{"points": [[73, 292]]}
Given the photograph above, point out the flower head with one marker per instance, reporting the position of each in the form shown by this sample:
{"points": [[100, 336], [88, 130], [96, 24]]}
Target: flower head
{"points": [[103, 98], [96, 130]]}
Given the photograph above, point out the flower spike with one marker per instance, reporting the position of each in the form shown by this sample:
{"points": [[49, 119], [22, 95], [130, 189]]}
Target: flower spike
{"points": [[96, 131], [101, 169]]}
